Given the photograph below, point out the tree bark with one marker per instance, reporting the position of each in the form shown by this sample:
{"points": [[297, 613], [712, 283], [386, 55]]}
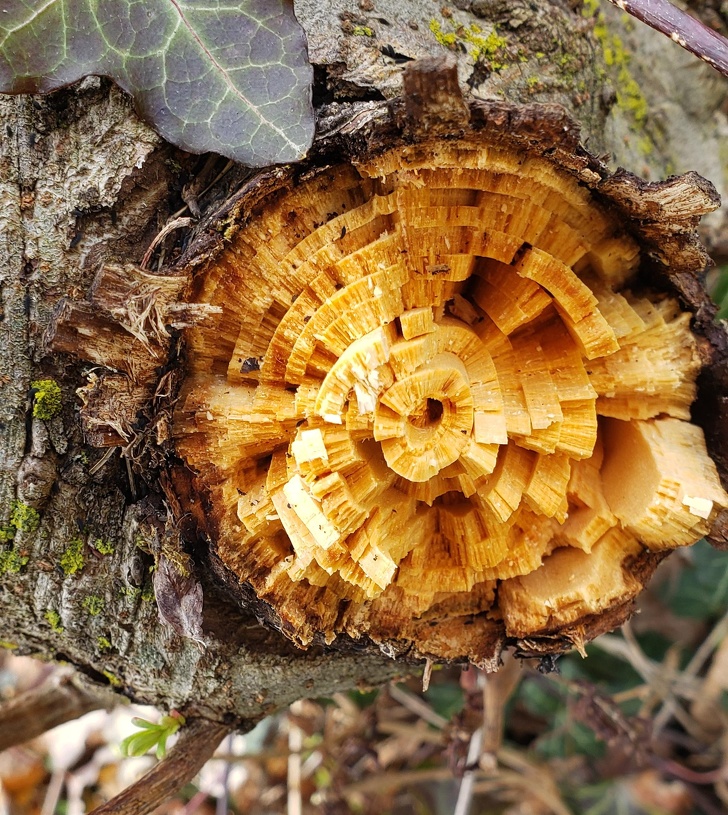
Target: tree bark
{"points": [[83, 181]]}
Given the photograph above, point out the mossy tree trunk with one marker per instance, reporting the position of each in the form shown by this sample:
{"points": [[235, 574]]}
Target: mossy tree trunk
{"points": [[84, 182]]}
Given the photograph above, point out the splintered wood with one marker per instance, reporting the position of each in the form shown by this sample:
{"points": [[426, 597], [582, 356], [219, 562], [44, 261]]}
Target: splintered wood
{"points": [[433, 402]]}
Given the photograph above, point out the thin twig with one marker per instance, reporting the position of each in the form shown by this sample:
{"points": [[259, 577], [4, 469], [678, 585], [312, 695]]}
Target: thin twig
{"points": [[709, 644], [199, 195], [419, 729], [677, 770], [100, 463], [465, 792], [666, 684], [417, 706], [53, 793], [197, 800], [497, 690], [681, 28], [295, 745], [58, 700], [170, 226], [377, 783], [426, 674], [196, 744], [537, 780], [701, 656], [221, 805]]}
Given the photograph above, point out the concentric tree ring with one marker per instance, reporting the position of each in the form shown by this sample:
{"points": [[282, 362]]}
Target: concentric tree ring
{"points": [[435, 408]]}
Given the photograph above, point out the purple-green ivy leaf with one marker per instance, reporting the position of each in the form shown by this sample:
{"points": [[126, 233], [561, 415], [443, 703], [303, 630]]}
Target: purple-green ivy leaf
{"points": [[231, 77]]}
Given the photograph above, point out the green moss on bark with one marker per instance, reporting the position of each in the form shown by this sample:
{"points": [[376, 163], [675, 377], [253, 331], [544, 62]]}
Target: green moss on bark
{"points": [[93, 604], [629, 96], [489, 49], [23, 517], [72, 560], [47, 398], [53, 618]]}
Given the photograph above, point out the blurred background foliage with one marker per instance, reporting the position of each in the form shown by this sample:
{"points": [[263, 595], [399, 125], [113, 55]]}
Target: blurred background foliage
{"points": [[718, 288]]}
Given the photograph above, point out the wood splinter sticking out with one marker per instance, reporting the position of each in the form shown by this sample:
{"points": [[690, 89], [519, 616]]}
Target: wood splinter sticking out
{"points": [[438, 407]]}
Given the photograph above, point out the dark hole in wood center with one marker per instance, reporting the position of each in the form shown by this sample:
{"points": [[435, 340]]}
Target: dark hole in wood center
{"points": [[429, 415]]}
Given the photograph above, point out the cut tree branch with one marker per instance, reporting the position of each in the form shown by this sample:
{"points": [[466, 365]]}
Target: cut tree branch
{"points": [[197, 742], [58, 700], [681, 28]]}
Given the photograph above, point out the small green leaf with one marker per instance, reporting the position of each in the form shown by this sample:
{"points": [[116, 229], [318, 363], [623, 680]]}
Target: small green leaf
{"points": [[143, 724], [151, 736], [161, 750], [230, 77], [140, 743]]}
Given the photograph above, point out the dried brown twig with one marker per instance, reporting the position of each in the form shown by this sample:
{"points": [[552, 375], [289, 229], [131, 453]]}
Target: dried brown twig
{"points": [[59, 699]]}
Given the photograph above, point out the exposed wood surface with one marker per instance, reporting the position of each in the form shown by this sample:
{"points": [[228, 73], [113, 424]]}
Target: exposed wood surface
{"points": [[59, 226], [439, 407]]}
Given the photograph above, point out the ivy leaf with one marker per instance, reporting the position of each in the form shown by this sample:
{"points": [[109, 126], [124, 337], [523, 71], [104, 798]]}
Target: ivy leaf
{"points": [[230, 77]]}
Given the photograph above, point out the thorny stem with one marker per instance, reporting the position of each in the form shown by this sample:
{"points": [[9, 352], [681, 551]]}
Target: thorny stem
{"points": [[58, 700], [196, 744], [681, 28]]}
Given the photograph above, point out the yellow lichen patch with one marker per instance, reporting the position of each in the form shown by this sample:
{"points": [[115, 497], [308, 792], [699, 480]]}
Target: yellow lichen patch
{"points": [[431, 395]]}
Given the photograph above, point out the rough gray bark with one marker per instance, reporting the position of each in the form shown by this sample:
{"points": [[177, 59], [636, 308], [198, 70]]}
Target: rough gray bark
{"points": [[82, 181]]}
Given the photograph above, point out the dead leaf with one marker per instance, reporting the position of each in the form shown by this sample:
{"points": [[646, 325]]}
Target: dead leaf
{"points": [[179, 600]]}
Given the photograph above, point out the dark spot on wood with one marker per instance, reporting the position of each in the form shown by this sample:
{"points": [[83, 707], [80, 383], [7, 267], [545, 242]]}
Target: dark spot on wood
{"points": [[438, 268], [389, 52], [547, 664], [522, 249]]}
